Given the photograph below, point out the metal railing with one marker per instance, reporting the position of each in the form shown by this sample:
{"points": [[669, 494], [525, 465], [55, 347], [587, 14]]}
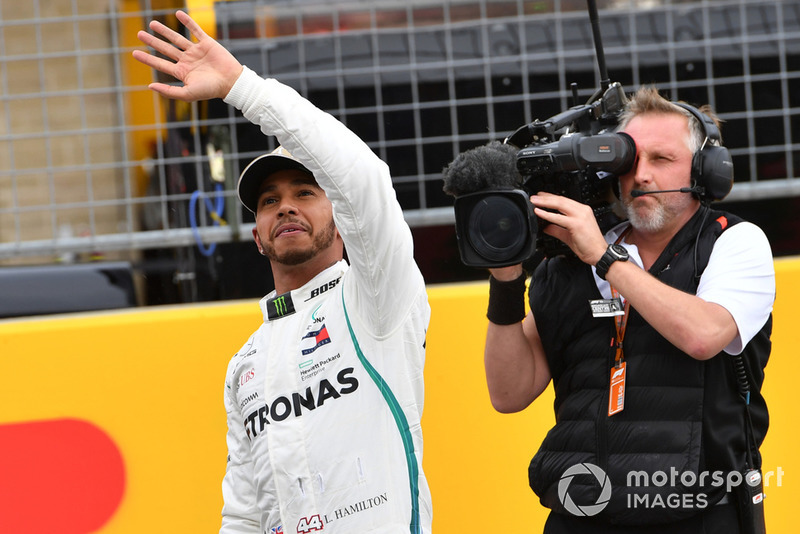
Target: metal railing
{"points": [[91, 161]]}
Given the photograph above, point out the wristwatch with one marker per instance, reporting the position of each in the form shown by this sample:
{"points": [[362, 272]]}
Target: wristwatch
{"points": [[613, 253]]}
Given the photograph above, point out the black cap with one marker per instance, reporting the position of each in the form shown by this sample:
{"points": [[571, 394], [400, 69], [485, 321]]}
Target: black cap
{"points": [[260, 168]]}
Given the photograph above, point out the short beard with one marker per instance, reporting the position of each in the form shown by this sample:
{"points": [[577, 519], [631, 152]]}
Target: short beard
{"points": [[320, 242], [658, 217]]}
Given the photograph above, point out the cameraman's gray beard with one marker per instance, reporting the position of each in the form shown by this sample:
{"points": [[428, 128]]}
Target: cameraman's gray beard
{"points": [[659, 216], [651, 222]]}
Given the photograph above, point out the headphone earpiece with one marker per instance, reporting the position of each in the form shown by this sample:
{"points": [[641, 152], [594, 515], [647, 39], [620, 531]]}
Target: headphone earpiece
{"points": [[712, 166]]}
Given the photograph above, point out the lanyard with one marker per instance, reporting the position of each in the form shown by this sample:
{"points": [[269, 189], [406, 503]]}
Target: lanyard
{"points": [[616, 384], [620, 324], [620, 321]]}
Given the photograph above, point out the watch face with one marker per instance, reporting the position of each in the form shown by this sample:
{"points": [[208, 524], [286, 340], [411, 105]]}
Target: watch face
{"points": [[619, 251]]}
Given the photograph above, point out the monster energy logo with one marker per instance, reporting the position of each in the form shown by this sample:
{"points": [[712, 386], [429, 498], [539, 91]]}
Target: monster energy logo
{"points": [[280, 306]]}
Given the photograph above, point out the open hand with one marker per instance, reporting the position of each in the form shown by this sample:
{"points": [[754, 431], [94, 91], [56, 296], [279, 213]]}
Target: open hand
{"points": [[205, 67]]}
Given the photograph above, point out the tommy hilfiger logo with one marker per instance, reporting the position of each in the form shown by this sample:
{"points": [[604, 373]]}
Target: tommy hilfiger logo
{"points": [[280, 306], [319, 337]]}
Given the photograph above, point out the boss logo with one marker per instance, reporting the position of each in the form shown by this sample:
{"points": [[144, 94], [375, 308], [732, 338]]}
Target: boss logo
{"points": [[323, 288]]}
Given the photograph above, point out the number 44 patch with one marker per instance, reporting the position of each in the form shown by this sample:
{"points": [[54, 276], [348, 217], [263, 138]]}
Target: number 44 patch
{"points": [[310, 524]]}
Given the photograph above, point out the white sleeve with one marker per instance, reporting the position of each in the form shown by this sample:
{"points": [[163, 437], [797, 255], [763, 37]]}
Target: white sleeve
{"points": [[740, 277], [240, 513], [370, 220]]}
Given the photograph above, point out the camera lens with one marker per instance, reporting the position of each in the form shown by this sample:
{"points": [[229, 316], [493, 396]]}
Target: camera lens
{"points": [[497, 229]]}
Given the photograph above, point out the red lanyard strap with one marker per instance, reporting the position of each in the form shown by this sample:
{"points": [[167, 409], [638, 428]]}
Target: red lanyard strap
{"points": [[620, 324], [620, 321]]}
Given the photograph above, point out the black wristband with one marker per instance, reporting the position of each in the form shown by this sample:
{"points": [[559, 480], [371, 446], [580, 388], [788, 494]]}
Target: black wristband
{"points": [[506, 300]]}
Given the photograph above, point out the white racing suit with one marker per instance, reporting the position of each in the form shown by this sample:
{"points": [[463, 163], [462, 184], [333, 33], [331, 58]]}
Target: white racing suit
{"points": [[325, 398]]}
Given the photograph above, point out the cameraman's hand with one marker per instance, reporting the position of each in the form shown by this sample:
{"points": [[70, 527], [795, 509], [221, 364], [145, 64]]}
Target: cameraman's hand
{"points": [[206, 68], [506, 274], [573, 223]]}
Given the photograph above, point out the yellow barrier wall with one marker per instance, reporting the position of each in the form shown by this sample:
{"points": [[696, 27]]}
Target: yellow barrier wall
{"points": [[133, 401]]}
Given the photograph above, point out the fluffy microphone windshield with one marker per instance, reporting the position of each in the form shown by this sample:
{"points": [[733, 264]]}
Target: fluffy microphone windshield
{"points": [[491, 166]]}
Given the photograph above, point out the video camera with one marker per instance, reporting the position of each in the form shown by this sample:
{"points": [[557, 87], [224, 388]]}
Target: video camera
{"points": [[575, 154]]}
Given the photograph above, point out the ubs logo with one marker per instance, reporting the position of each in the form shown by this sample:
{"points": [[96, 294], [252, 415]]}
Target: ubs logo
{"points": [[245, 377]]}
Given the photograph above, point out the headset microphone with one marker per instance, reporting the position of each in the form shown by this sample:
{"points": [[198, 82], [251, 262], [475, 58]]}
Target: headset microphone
{"points": [[639, 193]]}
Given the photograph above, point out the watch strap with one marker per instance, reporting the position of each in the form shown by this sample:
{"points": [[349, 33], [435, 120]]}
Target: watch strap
{"points": [[604, 264]]}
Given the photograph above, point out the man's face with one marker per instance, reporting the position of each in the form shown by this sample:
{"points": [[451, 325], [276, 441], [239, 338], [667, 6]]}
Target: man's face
{"points": [[294, 218], [664, 161]]}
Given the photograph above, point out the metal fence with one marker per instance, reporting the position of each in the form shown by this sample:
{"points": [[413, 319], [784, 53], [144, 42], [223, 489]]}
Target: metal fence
{"points": [[93, 162]]}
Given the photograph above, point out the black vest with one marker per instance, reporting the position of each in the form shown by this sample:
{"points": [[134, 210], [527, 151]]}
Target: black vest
{"points": [[682, 416]]}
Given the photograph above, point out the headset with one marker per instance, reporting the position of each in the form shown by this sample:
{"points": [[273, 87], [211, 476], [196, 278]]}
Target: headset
{"points": [[712, 166]]}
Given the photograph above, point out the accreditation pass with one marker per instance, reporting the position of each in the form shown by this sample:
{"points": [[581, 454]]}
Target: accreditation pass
{"points": [[616, 389]]}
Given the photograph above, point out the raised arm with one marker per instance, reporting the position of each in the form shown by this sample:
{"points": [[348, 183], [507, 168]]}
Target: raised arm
{"points": [[379, 245], [377, 239]]}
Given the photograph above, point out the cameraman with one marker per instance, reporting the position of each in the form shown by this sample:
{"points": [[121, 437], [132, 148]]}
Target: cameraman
{"points": [[651, 389]]}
